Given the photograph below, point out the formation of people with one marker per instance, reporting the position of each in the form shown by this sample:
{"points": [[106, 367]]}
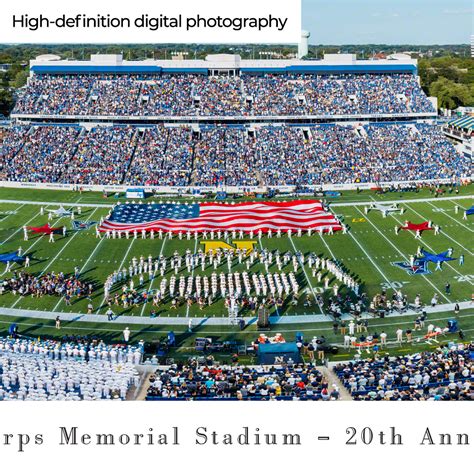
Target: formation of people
{"points": [[236, 276], [50, 370]]}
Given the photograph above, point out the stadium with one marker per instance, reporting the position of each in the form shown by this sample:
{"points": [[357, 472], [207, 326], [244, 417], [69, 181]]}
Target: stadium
{"points": [[234, 229]]}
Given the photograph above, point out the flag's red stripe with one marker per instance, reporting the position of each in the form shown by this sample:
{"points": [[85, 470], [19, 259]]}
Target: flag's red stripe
{"points": [[294, 215]]}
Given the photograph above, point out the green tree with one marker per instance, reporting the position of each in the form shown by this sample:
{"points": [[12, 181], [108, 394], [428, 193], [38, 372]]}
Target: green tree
{"points": [[6, 101], [451, 94], [20, 78]]}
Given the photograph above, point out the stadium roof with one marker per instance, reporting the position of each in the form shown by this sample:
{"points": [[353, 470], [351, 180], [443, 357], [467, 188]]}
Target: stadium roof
{"points": [[464, 123], [331, 64]]}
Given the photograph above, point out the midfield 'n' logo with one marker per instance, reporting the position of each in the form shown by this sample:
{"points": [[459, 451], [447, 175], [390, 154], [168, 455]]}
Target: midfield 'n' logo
{"points": [[247, 245]]}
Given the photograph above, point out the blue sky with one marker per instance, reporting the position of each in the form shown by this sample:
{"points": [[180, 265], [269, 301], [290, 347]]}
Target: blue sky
{"points": [[388, 21]]}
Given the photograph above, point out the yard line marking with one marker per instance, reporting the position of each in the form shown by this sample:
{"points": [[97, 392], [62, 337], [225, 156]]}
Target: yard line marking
{"points": [[406, 321], [373, 263], [431, 248], [192, 274], [307, 278], [400, 253], [54, 203], [54, 259], [120, 266], [26, 251], [327, 246], [456, 204], [395, 201], [153, 279], [91, 255], [455, 220], [445, 233], [276, 307], [20, 228], [83, 267], [37, 240], [12, 213], [62, 249]]}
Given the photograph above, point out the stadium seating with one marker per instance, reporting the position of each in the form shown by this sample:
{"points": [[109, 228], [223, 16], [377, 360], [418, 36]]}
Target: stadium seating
{"points": [[263, 155], [199, 95], [192, 382], [447, 374]]}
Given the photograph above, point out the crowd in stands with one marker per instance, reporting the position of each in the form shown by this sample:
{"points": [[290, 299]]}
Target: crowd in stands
{"points": [[163, 157], [286, 157], [215, 156], [103, 155], [66, 154], [376, 153], [246, 95], [49, 370], [42, 156], [446, 374], [194, 382]]}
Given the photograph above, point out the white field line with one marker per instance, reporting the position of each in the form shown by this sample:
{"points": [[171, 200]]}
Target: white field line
{"points": [[12, 213], [55, 203], [402, 254], [27, 250], [307, 278], [39, 238], [431, 248], [261, 248], [372, 261], [192, 275], [20, 228], [55, 258], [455, 220], [406, 322], [120, 266], [91, 255], [395, 201], [83, 266], [442, 231], [153, 279], [457, 204], [327, 246], [62, 249], [360, 246]]}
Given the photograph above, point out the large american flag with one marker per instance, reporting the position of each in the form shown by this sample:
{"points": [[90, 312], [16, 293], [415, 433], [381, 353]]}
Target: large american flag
{"points": [[246, 216]]}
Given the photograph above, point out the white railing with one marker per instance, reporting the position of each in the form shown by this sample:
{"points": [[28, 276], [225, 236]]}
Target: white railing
{"points": [[233, 118], [189, 190]]}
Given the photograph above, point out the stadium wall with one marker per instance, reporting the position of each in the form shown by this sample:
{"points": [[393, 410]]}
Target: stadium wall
{"points": [[175, 190], [132, 119]]}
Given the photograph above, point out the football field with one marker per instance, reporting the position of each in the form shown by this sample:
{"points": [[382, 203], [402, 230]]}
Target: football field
{"points": [[371, 251]]}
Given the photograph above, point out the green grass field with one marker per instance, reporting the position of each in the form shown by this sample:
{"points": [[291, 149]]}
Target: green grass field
{"points": [[367, 251]]}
